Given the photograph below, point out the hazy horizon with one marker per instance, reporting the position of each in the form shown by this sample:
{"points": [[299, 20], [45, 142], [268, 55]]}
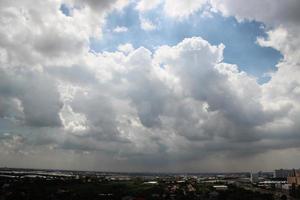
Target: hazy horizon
{"points": [[133, 172], [150, 85]]}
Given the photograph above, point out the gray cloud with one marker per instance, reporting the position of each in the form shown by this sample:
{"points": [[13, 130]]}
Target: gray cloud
{"points": [[279, 12], [33, 98]]}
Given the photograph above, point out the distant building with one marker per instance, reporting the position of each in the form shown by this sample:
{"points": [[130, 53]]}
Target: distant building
{"points": [[294, 177], [151, 182], [254, 178], [272, 184], [282, 173], [286, 186], [220, 187]]}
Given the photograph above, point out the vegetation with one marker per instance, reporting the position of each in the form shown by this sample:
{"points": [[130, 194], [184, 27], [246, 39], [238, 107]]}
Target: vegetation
{"points": [[93, 189]]}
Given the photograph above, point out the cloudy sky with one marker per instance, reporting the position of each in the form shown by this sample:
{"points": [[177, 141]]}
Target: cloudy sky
{"points": [[150, 85]]}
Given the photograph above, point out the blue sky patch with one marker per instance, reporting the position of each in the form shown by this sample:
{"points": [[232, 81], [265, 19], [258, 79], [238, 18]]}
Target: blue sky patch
{"points": [[65, 10], [239, 38]]}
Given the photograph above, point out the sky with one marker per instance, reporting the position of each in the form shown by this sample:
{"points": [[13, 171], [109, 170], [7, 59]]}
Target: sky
{"points": [[150, 85]]}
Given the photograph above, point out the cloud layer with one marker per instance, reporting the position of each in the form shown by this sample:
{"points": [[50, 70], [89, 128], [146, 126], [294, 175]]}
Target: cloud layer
{"points": [[175, 108]]}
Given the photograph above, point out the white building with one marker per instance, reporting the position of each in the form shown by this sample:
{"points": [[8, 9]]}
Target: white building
{"points": [[220, 187]]}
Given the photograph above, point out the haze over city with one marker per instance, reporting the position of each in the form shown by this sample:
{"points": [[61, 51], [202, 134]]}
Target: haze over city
{"points": [[150, 85]]}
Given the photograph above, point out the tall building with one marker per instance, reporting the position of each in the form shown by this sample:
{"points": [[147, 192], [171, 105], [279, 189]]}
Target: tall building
{"points": [[254, 178], [294, 177], [282, 173]]}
